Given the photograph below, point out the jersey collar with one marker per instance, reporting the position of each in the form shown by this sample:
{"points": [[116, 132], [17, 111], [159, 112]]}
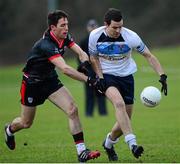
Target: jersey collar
{"points": [[53, 37]]}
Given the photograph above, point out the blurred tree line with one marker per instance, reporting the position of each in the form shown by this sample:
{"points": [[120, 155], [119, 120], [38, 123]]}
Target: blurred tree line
{"points": [[22, 22]]}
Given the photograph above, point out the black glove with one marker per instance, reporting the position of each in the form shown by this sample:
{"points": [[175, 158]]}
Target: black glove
{"points": [[91, 81], [162, 80], [84, 68], [101, 86]]}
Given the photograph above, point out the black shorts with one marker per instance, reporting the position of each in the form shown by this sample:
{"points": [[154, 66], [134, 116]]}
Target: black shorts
{"points": [[34, 92], [125, 85]]}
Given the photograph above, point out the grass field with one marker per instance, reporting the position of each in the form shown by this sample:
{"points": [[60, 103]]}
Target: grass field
{"points": [[49, 140]]}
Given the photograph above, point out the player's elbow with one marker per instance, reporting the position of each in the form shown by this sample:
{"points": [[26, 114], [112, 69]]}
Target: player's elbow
{"points": [[65, 70]]}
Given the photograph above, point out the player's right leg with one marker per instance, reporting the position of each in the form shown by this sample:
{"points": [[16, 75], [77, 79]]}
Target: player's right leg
{"points": [[123, 120], [22, 122], [63, 99]]}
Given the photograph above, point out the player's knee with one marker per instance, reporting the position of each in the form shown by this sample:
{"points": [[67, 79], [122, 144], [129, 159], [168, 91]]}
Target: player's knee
{"points": [[119, 105], [27, 124], [73, 112]]}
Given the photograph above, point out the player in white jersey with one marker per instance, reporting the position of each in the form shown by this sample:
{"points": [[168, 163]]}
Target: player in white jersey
{"points": [[110, 47]]}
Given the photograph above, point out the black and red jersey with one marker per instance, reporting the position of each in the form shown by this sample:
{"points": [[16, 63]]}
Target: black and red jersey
{"points": [[44, 50]]}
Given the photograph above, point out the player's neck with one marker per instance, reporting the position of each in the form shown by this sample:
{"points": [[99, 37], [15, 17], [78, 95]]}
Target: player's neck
{"points": [[55, 37], [107, 33]]}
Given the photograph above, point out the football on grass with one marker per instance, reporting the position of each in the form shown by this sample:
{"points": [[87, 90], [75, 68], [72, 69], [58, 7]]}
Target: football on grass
{"points": [[150, 96]]}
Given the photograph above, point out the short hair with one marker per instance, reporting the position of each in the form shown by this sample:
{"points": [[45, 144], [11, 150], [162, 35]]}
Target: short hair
{"points": [[54, 16], [112, 14]]}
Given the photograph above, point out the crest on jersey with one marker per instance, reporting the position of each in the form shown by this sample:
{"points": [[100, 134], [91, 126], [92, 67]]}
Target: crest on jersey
{"points": [[56, 50], [30, 99]]}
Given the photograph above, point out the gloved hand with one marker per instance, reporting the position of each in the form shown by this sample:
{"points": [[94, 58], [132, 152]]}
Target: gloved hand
{"points": [[101, 86], [91, 81], [162, 80], [84, 67]]}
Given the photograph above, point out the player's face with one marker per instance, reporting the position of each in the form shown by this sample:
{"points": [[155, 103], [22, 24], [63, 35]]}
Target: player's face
{"points": [[61, 29], [114, 29]]}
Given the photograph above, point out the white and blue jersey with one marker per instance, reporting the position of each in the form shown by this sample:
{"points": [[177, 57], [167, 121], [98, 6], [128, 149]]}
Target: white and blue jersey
{"points": [[115, 53]]}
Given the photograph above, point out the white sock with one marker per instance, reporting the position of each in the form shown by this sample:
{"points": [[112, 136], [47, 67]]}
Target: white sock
{"points": [[80, 147], [130, 139], [8, 131], [109, 143]]}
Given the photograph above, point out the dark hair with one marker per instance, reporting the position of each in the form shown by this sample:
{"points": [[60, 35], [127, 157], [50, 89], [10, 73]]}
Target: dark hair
{"points": [[53, 17], [112, 14]]}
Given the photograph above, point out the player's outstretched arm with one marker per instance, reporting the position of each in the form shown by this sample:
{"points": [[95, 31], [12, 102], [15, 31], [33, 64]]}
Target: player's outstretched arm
{"points": [[60, 63], [81, 54], [154, 62]]}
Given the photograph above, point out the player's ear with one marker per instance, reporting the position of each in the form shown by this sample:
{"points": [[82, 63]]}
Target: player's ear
{"points": [[52, 27]]}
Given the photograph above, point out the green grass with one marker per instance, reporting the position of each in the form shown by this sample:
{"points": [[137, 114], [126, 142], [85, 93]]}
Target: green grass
{"points": [[49, 140]]}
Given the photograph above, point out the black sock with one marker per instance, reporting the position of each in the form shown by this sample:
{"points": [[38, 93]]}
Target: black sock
{"points": [[78, 138]]}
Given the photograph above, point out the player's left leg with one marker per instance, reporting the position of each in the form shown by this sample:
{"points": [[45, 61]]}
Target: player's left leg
{"points": [[22, 122], [63, 99], [116, 131], [113, 137]]}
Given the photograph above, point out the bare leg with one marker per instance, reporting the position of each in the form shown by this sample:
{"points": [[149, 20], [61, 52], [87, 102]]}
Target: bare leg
{"points": [[122, 126], [123, 120], [116, 130], [63, 99], [25, 120]]}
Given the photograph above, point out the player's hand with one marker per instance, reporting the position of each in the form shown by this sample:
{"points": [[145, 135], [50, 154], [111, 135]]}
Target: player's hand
{"points": [[92, 81], [163, 81], [101, 86], [84, 67]]}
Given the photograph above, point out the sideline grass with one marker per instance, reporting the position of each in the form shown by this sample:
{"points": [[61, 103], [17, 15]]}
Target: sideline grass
{"points": [[49, 140]]}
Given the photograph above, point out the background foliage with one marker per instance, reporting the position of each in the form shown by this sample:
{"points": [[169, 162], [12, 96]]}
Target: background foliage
{"points": [[23, 22]]}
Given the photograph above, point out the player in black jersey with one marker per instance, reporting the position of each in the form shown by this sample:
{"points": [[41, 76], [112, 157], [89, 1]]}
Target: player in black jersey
{"points": [[40, 82]]}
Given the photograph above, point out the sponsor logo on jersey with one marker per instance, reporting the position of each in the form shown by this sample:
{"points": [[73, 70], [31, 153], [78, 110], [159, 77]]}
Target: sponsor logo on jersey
{"points": [[113, 51], [113, 48]]}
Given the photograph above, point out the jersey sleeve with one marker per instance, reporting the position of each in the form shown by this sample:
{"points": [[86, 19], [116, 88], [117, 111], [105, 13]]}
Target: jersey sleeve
{"points": [[138, 44], [50, 50], [92, 45]]}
